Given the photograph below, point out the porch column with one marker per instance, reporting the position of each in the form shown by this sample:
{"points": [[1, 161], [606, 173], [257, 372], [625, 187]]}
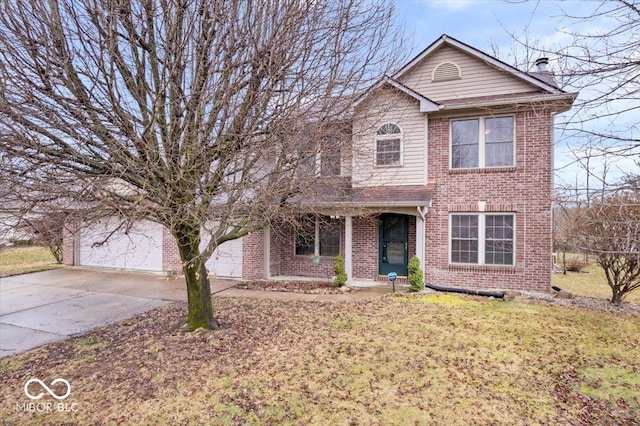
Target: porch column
{"points": [[348, 246], [266, 241], [420, 240]]}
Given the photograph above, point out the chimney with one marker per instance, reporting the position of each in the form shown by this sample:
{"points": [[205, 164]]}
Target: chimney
{"points": [[543, 72], [542, 63]]}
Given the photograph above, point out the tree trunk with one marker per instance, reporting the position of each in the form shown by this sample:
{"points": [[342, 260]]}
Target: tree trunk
{"points": [[616, 297], [195, 273]]}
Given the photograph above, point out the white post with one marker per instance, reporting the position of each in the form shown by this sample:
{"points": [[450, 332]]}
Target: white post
{"points": [[348, 246], [420, 237]]}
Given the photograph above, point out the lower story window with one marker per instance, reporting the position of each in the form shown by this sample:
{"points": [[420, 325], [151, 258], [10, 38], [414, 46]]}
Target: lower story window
{"points": [[482, 239], [318, 235]]}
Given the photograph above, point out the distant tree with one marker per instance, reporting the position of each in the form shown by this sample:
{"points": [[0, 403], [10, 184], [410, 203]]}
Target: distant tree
{"points": [[188, 113], [45, 230], [610, 232], [598, 59], [566, 219]]}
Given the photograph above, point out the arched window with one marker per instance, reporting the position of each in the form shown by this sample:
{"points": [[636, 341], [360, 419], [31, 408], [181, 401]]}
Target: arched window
{"points": [[388, 145]]}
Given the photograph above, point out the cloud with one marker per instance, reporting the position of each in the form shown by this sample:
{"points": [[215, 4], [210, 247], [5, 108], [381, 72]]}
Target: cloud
{"points": [[450, 4]]}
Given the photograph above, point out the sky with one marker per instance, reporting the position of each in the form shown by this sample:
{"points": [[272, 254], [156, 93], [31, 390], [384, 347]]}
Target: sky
{"points": [[486, 24]]}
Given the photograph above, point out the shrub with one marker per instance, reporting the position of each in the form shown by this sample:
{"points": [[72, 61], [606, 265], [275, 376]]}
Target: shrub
{"points": [[574, 264], [339, 271], [416, 278]]}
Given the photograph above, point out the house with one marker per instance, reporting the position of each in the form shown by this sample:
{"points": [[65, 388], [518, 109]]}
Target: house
{"points": [[451, 160]]}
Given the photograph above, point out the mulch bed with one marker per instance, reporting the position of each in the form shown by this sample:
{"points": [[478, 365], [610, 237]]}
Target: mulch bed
{"points": [[308, 287]]}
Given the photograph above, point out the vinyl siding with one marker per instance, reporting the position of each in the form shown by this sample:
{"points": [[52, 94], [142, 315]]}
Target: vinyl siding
{"points": [[390, 106], [478, 78]]}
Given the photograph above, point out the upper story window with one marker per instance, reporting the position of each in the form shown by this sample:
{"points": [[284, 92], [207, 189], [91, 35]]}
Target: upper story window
{"points": [[329, 156], [323, 159], [482, 142], [388, 145]]}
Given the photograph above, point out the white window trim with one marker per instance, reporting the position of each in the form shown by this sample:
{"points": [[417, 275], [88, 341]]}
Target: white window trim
{"points": [[481, 142], [378, 137], [481, 238]]}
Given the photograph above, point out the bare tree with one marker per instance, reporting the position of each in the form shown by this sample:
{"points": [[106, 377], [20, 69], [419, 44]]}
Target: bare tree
{"points": [[600, 60], [609, 230], [186, 113], [44, 230]]}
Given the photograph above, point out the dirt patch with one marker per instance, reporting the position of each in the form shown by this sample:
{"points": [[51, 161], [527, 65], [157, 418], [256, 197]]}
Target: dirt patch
{"points": [[591, 303]]}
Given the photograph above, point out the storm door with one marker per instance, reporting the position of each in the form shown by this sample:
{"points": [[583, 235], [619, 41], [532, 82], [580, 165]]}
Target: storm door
{"points": [[394, 243]]}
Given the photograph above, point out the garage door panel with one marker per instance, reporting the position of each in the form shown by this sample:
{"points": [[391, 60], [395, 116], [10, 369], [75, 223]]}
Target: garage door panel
{"points": [[138, 249], [226, 260]]}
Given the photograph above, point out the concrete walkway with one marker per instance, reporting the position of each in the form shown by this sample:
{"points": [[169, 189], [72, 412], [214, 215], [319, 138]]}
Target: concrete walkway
{"points": [[45, 307]]}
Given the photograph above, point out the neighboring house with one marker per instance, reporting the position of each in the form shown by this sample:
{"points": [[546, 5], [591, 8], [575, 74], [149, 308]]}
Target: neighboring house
{"points": [[451, 160]]}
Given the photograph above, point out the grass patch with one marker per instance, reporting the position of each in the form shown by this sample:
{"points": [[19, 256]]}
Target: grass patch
{"points": [[393, 360], [21, 260], [591, 282]]}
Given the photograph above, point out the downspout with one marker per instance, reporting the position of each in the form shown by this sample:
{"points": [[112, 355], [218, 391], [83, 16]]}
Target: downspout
{"points": [[422, 211]]}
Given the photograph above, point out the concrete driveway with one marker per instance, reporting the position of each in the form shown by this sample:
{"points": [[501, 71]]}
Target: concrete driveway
{"points": [[44, 307], [47, 306]]}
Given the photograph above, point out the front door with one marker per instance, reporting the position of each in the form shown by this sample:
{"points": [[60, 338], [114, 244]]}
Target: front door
{"points": [[393, 251]]}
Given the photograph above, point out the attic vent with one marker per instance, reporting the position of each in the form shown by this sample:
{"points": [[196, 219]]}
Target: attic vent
{"points": [[446, 71]]}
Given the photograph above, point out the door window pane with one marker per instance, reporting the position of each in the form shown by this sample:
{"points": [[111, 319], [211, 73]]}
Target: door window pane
{"points": [[395, 252]]}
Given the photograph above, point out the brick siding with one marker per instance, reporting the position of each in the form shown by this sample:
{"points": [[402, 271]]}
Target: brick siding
{"points": [[524, 190], [69, 244], [170, 253]]}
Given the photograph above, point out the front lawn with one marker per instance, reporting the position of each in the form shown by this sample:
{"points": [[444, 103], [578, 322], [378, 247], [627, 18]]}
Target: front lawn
{"points": [[429, 359], [20, 260]]}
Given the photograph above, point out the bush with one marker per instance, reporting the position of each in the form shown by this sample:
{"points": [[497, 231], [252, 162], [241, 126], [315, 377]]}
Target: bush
{"points": [[339, 271], [416, 277], [574, 264], [20, 242]]}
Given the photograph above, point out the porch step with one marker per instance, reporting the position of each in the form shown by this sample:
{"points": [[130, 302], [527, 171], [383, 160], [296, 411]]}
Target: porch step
{"points": [[399, 279]]}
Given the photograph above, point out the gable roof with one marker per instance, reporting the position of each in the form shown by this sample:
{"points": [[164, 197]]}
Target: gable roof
{"points": [[448, 40], [426, 104]]}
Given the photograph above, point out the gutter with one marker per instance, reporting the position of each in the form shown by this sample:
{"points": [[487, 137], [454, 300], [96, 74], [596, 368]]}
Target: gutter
{"points": [[529, 99]]}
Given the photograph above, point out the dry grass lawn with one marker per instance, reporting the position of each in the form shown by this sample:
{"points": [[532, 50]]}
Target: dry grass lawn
{"points": [[591, 282], [431, 359], [20, 260]]}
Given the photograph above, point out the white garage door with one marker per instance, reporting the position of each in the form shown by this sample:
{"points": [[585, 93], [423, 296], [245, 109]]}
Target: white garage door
{"points": [[226, 261], [140, 249]]}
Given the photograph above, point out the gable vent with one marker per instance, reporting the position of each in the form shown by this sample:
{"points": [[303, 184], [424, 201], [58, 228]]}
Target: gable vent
{"points": [[446, 71]]}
